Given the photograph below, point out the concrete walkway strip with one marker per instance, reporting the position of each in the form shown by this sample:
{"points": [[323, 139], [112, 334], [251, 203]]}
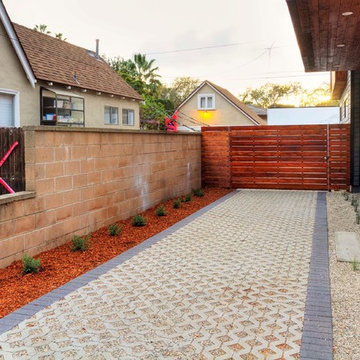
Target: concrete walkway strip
{"points": [[232, 281], [317, 341]]}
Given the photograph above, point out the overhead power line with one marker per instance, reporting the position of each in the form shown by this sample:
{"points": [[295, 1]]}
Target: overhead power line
{"points": [[209, 47]]}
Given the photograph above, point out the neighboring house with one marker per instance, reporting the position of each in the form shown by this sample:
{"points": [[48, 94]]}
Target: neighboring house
{"points": [[328, 42], [212, 105], [304, 115], [46, 81], [259, 111]]}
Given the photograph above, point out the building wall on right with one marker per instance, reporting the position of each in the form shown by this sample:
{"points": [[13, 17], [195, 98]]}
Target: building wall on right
{"points": [[345, 101]]}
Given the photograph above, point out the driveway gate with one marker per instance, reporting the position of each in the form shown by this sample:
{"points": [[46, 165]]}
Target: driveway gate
{"points": [[304, 157]]}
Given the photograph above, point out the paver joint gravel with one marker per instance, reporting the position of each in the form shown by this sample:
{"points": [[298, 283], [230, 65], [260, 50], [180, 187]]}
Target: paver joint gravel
{"points": [[230, 284]]}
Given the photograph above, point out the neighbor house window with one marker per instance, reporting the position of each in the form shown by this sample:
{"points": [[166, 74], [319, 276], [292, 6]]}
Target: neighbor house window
{"points": [[111, 115], [128, 117], [206, 102]]}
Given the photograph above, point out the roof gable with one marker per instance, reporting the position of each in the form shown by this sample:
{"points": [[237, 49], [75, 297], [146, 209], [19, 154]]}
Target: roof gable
{"points": [[5, 19], [229, 97]]}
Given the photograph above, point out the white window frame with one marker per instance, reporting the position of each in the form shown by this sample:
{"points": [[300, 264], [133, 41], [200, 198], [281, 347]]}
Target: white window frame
{"points": [[111, 108], [122, 117], [206, 96], [16, 95]]}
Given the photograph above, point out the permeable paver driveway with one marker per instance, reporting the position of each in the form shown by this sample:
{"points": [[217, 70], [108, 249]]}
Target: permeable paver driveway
{"points": [[230, 284]]}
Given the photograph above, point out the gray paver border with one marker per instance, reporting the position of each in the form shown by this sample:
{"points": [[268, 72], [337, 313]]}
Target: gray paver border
{"points": [[317, 341], [27, 311]]}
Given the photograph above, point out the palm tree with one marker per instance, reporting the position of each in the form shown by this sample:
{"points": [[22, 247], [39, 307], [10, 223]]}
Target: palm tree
{"points": [[42, 28], [60, 36], [147, 80]]}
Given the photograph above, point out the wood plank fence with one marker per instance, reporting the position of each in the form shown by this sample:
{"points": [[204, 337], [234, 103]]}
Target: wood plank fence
{"points": [[313, 157], [12, 170]]}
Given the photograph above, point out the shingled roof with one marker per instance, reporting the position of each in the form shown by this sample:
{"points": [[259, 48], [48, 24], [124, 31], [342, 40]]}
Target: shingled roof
{"points": [[233, 99], [60, 62]]}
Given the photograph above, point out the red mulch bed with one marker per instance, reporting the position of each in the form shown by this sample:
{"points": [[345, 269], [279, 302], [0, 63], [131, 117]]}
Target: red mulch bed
{"points": [[61, 265]]}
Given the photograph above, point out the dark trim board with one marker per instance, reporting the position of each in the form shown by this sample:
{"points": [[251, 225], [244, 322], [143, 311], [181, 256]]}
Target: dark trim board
{"points": [[317, 340], [27, 311]]}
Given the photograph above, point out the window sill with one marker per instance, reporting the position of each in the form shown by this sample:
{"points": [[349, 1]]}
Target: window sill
{"points": [[21, 195], [207, 109]]}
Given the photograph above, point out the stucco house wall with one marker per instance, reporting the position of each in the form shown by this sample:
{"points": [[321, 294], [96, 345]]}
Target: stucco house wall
{"points": [[224, 114], [95, 108], [13, 78]]}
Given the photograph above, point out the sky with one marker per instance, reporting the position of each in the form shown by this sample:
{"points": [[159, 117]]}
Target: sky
{"points": [[234, 43]]}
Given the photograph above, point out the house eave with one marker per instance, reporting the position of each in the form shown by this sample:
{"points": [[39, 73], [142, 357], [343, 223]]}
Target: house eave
{"points": [[5, 19]]}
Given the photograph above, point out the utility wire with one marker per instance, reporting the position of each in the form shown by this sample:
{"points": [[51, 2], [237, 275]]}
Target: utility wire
{"points": [[209, 47]]}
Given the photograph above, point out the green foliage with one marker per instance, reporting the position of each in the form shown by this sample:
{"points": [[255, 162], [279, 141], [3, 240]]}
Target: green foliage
{"points": [[80, 243], [188, 198], [199, 192], [30, 265], [60, 36], [160, 211], [270, 95], [114, 229], [139, 220], [179, 90], [42, 28], [355, 265], [152, 109], [320, 96], [139, 73], [177, 204]]}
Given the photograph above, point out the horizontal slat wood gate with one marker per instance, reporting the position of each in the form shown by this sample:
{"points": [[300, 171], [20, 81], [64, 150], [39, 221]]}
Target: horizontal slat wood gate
{"points": [[13, 169], [313, 157]]}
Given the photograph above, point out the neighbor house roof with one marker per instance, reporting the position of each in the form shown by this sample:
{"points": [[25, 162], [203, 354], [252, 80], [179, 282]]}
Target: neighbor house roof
{"points": [[231, 99], [60, 62], [258, 110]]}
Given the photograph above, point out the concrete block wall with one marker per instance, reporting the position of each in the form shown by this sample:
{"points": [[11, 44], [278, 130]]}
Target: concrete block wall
{"points": [[85, 179]]}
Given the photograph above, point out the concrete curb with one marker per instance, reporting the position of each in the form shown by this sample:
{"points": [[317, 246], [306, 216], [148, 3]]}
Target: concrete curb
{"points": [[317, 341], [27, 311]]}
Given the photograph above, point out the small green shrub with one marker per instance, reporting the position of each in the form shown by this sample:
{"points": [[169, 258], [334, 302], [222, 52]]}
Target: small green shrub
{"points": [[160, 211], [355, 265], [30, 265], [139, 220], [199, 192], [80, 243], [114, 229], [188, 198], [177, 204]]}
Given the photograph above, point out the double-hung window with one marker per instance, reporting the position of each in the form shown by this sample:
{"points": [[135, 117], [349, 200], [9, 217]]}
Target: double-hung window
{"points": [[206, 101], [128, 117], [111, 115]]}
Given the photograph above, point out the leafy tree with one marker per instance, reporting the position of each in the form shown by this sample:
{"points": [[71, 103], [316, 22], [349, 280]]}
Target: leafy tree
{"points": [[270, 95], [42, 28], [320, 96], [179, 90]]}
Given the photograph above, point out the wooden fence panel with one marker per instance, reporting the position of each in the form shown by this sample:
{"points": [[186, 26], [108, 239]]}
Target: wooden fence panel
{"points": [[313, 157], [215, 157], [13, 169]]}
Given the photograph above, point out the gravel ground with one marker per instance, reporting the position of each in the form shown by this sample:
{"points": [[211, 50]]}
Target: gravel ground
{"points": [[345, 282]]}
